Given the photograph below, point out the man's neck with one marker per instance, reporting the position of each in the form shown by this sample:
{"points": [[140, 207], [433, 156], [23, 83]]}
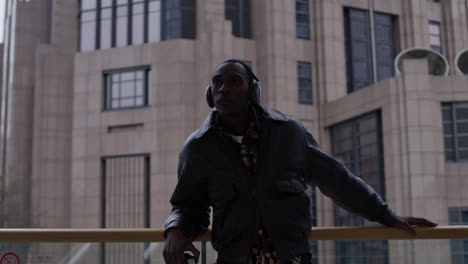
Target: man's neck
{"points": [[235, 124]]}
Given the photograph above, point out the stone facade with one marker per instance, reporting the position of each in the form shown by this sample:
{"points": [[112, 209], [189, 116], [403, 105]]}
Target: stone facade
{"points": [[58, 132]]}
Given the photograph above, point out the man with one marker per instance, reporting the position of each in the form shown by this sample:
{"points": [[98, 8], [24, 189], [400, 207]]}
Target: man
{"points": [[251, 164]]}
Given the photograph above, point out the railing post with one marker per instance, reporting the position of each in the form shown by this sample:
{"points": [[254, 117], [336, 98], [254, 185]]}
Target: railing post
{"points": [[203, 252]]}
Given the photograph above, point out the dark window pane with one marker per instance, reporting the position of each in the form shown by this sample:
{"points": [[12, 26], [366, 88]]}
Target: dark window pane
{"points": [[238, 12], [461, 113], [302, 19], [463, 154], [449, 143], [462, 141], [448, 129], [305, 82], [462, 127]]}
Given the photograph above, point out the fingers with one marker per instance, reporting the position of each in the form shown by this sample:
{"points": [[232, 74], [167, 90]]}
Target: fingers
{"points": [[406, 227], [172, 254], [422, 222], [194, 250]]}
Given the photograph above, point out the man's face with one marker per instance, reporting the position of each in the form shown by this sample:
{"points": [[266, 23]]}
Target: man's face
{"points": [[230, 89]]}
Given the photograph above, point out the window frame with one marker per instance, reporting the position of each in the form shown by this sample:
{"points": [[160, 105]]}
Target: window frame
{"points": [[307, 14], [146, 84], [244, 24], [452, 106], [354, 136], [146, 188], [438, 24], [299, 78], [350, 60], [184, 8]]}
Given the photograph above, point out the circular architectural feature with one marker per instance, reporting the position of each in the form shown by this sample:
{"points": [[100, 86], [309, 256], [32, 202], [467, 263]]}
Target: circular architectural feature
{"points": [[461, 62], [438, 64]]}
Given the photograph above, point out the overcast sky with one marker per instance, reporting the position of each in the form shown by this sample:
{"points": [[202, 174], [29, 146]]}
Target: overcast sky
{"points": [[2, 18]]}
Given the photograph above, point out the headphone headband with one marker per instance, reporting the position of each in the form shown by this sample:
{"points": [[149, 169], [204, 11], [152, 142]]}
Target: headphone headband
{"points": [[246, 67]]}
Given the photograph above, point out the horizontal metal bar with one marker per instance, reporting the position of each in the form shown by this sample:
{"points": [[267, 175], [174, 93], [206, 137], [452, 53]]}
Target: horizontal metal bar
{"points": [[156, 234]]}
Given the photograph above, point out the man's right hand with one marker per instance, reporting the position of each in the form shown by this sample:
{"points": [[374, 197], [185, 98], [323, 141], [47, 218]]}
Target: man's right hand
{"points": [[176, 245]]}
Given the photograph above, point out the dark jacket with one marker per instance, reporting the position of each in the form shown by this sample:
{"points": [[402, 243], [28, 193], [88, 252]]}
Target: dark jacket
{"points": [[212, 174]]}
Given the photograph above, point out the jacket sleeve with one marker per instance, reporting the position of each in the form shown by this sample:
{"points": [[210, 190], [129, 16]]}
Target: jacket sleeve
{"points": [[190, 204], [348, 191]]}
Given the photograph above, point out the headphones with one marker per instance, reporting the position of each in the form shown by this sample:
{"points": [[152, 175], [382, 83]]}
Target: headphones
{"points": [[255, 90]]}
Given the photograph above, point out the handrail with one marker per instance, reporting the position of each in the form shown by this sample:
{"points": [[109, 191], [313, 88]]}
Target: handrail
{"points": [[157, 235]]}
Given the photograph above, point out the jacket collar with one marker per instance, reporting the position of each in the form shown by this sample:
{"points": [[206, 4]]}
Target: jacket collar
{"points": [[263, 110]]}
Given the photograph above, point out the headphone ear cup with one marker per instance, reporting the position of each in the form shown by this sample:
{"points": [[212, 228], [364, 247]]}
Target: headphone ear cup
{"points": [[255, 93], [209, 96]]}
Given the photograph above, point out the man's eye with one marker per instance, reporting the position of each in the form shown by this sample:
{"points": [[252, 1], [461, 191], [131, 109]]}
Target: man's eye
{"points": [[217, 83]]}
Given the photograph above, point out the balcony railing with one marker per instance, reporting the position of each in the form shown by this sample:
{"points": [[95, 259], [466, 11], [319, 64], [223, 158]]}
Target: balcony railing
{"points": [[69, 246], [156, 235]]}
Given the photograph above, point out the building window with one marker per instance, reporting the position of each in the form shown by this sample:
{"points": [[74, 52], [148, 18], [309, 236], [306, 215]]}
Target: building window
{"points": [[125, 203], [302, 19], [126, 88], [304, 76], [455, 122], [358, 144], [459, 247], [238, 12], [359, 50], [117, 23], [88, 25], [179, 19], [434, 36]]}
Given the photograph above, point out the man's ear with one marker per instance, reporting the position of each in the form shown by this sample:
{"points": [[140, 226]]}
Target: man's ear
{"points": [[209, 96]]}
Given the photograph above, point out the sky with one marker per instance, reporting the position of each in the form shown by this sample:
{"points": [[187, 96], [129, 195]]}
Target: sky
{"points": [[2, 18]]}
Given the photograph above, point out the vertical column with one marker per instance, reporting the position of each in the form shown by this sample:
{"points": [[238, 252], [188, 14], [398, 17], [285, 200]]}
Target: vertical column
{"points": [[414, 23], [417, 159], [455, 28]]}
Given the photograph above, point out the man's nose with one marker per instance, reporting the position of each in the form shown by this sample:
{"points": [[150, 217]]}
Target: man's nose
{"points": [[224, 88]]}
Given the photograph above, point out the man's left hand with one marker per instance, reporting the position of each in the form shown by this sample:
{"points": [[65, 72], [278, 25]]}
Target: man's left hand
{"points": [[407, 222]]}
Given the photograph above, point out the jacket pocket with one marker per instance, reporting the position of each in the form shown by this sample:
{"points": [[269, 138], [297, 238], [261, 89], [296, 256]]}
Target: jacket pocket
{"points": [[291, 181]]}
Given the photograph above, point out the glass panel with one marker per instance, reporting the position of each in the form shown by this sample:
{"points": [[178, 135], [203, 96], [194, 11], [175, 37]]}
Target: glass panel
{"points": [[463, 155], [115, 104], [127, 102], [139, 101], [305, 83], [138, 23], [115, 91], [139, 88], [434, 40], [106, 28], [461, 113], [462, 141], [122, 26], [88, 4], [385, 45], [462, 127], [449, 143], [434, 28], [88, 31], [154, 21], [127, 76], [127, 89]]}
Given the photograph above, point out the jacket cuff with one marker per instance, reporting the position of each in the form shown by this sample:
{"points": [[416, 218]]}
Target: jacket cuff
{"points": [[388, 217]]}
